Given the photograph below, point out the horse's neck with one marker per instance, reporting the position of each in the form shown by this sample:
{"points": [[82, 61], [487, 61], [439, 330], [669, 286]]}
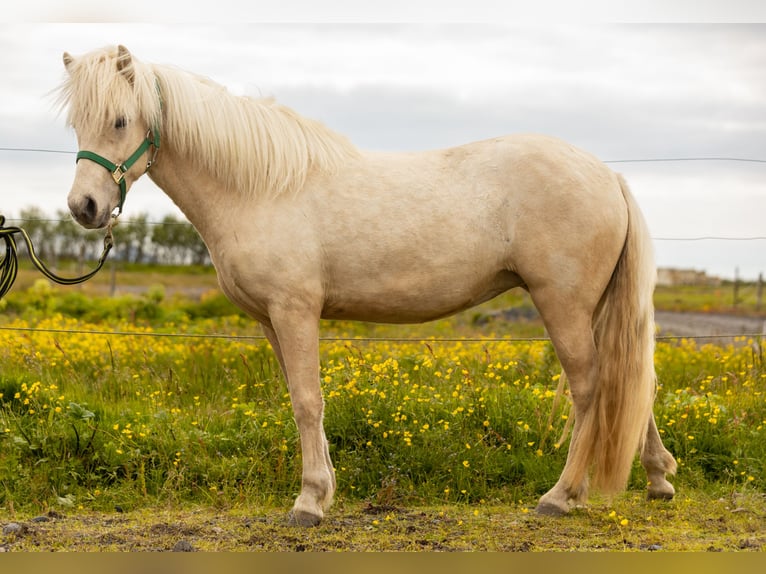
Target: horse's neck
{"points": [[204, 201]]}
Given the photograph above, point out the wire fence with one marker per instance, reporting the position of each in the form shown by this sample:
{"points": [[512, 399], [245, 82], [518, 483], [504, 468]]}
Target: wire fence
{"points": [[128, 221], [628, 160], [357, 339]]}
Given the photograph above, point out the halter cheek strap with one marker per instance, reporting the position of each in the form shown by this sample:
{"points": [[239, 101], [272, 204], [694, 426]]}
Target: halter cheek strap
{"points": [[118, 171]]}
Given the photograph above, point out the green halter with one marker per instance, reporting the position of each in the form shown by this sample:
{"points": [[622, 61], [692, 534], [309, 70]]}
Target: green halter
{"points": [[118, 171]]}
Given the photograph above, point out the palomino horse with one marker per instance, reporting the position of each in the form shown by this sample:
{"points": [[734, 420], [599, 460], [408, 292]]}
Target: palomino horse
{"points": [[302, 226]]}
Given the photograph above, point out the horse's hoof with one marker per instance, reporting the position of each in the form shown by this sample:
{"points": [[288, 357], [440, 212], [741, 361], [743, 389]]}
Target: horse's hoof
{"points": [[660, 490], [660, 494], [303, 518], [548, 509]]}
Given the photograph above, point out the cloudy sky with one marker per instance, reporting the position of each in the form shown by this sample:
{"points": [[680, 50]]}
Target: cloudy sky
{"points": [[621, 91]]}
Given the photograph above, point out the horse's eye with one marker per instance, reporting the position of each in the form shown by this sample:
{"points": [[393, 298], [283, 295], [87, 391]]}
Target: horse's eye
{"points": [[120, 123]]}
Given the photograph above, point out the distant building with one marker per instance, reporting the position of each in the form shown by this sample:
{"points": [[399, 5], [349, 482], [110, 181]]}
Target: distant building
{"points": [[670, 277]]}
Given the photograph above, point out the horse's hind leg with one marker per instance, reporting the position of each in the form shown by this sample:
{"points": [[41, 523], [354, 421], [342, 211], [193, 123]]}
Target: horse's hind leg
{"points": [[294, 338], [657, 462], [569, 327]]}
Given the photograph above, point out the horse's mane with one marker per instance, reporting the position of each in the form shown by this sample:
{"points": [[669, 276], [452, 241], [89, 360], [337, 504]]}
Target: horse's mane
{"points": [[254, 145]]}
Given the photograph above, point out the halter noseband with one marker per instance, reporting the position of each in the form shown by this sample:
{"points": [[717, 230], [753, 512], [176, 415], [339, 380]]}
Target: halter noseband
{"points": [[118, 171]]}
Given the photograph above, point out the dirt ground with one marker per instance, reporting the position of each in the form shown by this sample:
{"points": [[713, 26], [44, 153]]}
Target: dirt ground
{"points": [[693, 521]]}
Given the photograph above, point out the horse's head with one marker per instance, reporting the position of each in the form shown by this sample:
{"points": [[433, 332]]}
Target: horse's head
{"points": [[114, 109]]}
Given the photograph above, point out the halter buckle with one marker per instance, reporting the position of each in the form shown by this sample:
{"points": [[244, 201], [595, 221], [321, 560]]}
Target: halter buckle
{"points": [[118, 174]]}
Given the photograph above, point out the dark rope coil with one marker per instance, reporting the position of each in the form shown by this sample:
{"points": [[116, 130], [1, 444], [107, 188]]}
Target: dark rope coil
{"points": [[9, 265]]}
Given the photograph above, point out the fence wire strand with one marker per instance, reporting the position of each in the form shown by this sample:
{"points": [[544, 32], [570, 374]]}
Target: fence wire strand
{"points": [[351, 339], [624, 160]]}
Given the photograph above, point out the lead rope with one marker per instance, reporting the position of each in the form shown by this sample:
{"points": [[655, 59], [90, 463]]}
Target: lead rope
{"points": [[9, 265]]}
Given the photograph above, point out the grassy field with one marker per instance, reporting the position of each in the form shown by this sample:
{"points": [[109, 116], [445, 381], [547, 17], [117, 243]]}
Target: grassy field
{"points": [[123, 414]]}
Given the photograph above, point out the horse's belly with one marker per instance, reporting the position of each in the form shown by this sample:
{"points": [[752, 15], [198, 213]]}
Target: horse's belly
{"points": [[405, 300]]}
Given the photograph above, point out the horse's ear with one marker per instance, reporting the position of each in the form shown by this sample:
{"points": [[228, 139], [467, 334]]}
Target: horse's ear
{"points": [[125, 64], [67, 60]]}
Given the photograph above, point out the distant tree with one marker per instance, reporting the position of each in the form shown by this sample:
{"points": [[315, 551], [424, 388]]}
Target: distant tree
{"points": [[172, 241], [177, 242], [71, 240], [39, 229], [194, 245], [168, 239], [132, 238]]}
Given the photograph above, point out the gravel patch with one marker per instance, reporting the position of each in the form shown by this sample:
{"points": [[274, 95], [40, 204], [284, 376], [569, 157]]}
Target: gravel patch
{"points": [[719, 327]]}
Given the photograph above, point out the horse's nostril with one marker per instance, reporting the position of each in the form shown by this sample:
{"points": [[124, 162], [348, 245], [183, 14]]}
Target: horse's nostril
{"points": [[89, 209], [85, 209]]}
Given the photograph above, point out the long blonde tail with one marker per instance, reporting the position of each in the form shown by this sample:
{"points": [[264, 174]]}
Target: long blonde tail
{"points": [[623, 326]]}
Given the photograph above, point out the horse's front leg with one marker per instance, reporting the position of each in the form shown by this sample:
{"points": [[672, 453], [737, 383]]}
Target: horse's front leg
{"points": [[294, 337]]}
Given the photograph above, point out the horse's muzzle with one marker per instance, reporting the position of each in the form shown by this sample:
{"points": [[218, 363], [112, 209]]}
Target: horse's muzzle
{"points": [[86, 212]]}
